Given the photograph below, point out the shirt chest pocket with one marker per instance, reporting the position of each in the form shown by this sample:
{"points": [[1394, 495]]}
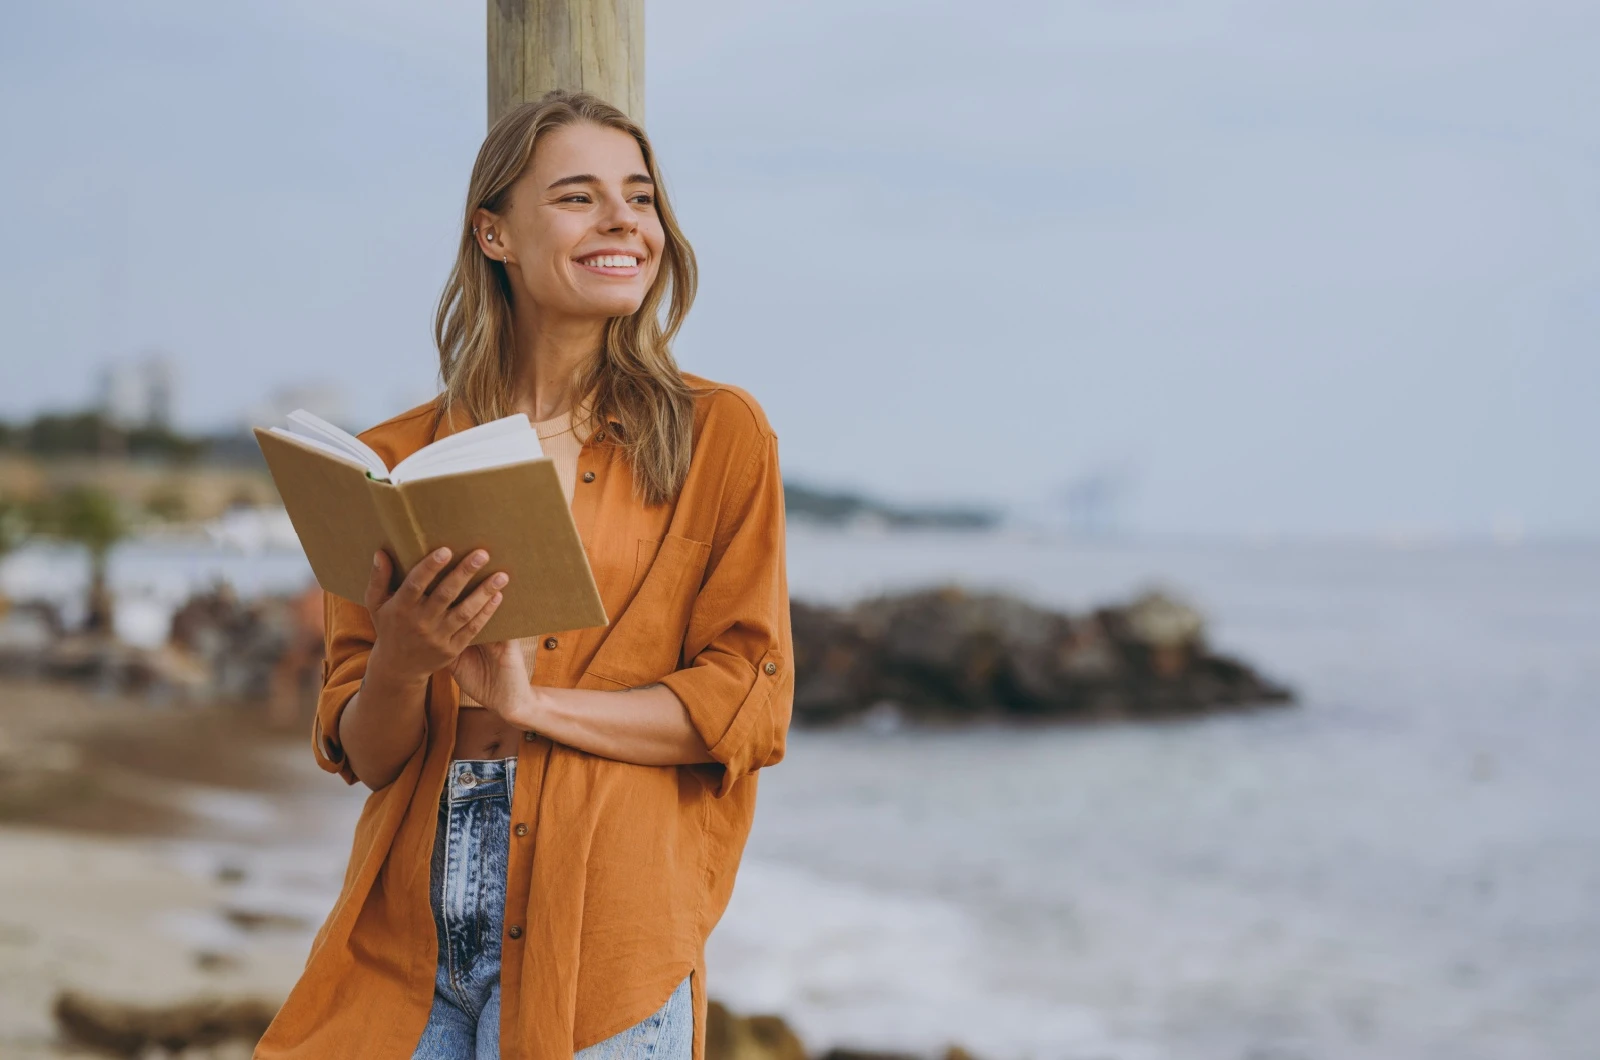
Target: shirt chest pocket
{"points": [[645, 641]]}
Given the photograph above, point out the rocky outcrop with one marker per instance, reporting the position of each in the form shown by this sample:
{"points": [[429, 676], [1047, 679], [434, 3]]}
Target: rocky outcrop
{"points": [[266, 650], [213, 1027], [951, 655], [731, 1037], [120, 1029], [942, 654]]}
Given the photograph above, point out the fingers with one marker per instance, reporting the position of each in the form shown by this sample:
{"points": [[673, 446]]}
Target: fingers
{"points": [[415, 587], [475, 624], [444, 594], [378, 580], [463, 612]]}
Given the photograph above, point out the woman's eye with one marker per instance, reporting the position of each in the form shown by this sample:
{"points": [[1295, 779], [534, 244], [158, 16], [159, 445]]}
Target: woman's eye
{"points": [[576, 198], [643, 199]]}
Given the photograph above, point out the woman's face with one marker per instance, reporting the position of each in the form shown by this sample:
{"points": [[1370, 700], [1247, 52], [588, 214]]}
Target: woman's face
{"points": [[581, 229]]}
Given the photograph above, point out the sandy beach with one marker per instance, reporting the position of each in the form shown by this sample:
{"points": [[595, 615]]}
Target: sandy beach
{"points": [[125, 875]]}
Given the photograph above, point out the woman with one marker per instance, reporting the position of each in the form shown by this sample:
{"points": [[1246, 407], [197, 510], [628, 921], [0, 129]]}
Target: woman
{"points": [[554, 825]]}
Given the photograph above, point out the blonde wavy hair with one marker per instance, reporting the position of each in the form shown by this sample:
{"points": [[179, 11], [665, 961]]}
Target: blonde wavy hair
{"points": [[634, 379]]}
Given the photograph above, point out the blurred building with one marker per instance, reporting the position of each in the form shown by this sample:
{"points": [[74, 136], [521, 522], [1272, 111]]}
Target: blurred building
{"points": [[320, 399], [139, 391]]}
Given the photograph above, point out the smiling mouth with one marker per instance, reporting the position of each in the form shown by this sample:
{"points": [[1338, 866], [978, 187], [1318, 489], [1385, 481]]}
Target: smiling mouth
{"points": [[611, 264]]}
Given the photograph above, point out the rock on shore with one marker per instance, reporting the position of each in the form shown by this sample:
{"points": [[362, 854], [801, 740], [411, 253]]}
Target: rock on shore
{"points": [[950, 655], [185, 1027]]}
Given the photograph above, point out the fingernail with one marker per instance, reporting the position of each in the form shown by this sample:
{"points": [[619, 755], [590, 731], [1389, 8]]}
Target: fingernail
{"points": [[499, 579], [441, 553], [479, 558], [377, 559]]}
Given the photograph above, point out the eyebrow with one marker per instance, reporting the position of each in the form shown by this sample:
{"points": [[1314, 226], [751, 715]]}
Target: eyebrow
{"points": [[590, 178]]}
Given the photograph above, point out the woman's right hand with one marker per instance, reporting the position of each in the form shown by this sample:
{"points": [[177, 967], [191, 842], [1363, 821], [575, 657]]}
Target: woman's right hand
{"points": [[419, 631]]}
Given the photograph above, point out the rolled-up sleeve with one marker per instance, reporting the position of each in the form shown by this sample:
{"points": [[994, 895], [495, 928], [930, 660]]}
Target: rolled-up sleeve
{"points": [[346, 646], [738, 680]]}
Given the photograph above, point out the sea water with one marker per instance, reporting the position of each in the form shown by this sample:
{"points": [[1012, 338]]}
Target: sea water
{"points": [[1403, 866]]}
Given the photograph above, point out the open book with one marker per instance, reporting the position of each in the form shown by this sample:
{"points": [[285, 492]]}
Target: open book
{"points": [[489, 487]]}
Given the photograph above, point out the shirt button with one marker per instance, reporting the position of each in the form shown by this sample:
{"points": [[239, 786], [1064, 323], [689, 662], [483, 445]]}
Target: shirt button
{"points": [[528, 735], [771, 668], [550, 643], [514, 931], [466, 779], [522, 829]]}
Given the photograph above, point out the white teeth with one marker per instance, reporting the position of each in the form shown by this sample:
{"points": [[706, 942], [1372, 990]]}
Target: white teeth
{"points": [[613, 261]]}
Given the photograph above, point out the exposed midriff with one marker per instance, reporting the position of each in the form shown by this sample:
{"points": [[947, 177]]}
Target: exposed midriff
{"points": [[480, 732]]}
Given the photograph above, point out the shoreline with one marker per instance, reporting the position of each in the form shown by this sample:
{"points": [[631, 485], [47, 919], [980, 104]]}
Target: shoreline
{"points": [[132, 843], [160, 865]]}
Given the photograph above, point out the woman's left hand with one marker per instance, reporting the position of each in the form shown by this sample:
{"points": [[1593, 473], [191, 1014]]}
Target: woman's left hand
{"points": [[496, 675]]}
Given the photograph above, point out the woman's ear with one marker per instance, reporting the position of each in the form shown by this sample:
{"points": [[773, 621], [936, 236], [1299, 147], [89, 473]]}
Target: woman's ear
{"points": [[490, 234]]}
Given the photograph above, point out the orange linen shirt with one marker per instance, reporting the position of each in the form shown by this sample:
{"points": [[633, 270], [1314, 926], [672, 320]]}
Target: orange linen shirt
{"points": [[617, 872]]}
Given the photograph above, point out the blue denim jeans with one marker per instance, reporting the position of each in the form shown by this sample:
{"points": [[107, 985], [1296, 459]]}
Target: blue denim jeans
{"points": [[469, 895]]}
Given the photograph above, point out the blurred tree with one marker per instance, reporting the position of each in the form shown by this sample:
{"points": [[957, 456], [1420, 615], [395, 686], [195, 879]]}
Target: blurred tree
{"points": [[160, 442], [91, 434], [59, 434], [89, 516]]}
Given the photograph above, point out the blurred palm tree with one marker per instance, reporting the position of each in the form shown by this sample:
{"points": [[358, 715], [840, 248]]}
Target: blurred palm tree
{"points": [[89, 516], [15, 522]]}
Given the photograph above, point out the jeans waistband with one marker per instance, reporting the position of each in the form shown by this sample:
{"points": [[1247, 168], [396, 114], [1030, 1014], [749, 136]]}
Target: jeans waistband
{"points": [[479, 778]]}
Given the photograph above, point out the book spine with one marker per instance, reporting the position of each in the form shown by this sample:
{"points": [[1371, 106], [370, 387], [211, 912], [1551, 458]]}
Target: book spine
{"points": [[400, 528]]}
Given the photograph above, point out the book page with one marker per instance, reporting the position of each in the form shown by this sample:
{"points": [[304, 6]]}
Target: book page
{"points": [[314, 427], [508, 440], [344, 456]]}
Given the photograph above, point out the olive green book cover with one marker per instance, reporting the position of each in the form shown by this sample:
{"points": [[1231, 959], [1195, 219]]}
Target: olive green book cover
{"points": [[517, 512]]}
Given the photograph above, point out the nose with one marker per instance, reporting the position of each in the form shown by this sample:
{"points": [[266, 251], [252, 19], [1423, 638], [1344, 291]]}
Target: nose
{"points": [[617, 216]]}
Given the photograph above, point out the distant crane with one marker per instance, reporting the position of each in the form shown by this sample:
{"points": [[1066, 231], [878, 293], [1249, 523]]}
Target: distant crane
{"points": [[1091, 501]]}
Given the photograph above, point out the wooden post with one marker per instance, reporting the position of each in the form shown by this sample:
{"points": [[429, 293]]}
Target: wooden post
{"points": [[593, 45]]}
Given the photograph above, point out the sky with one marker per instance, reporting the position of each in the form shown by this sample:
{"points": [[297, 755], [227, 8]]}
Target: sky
{"points": [[1303, 268]]}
